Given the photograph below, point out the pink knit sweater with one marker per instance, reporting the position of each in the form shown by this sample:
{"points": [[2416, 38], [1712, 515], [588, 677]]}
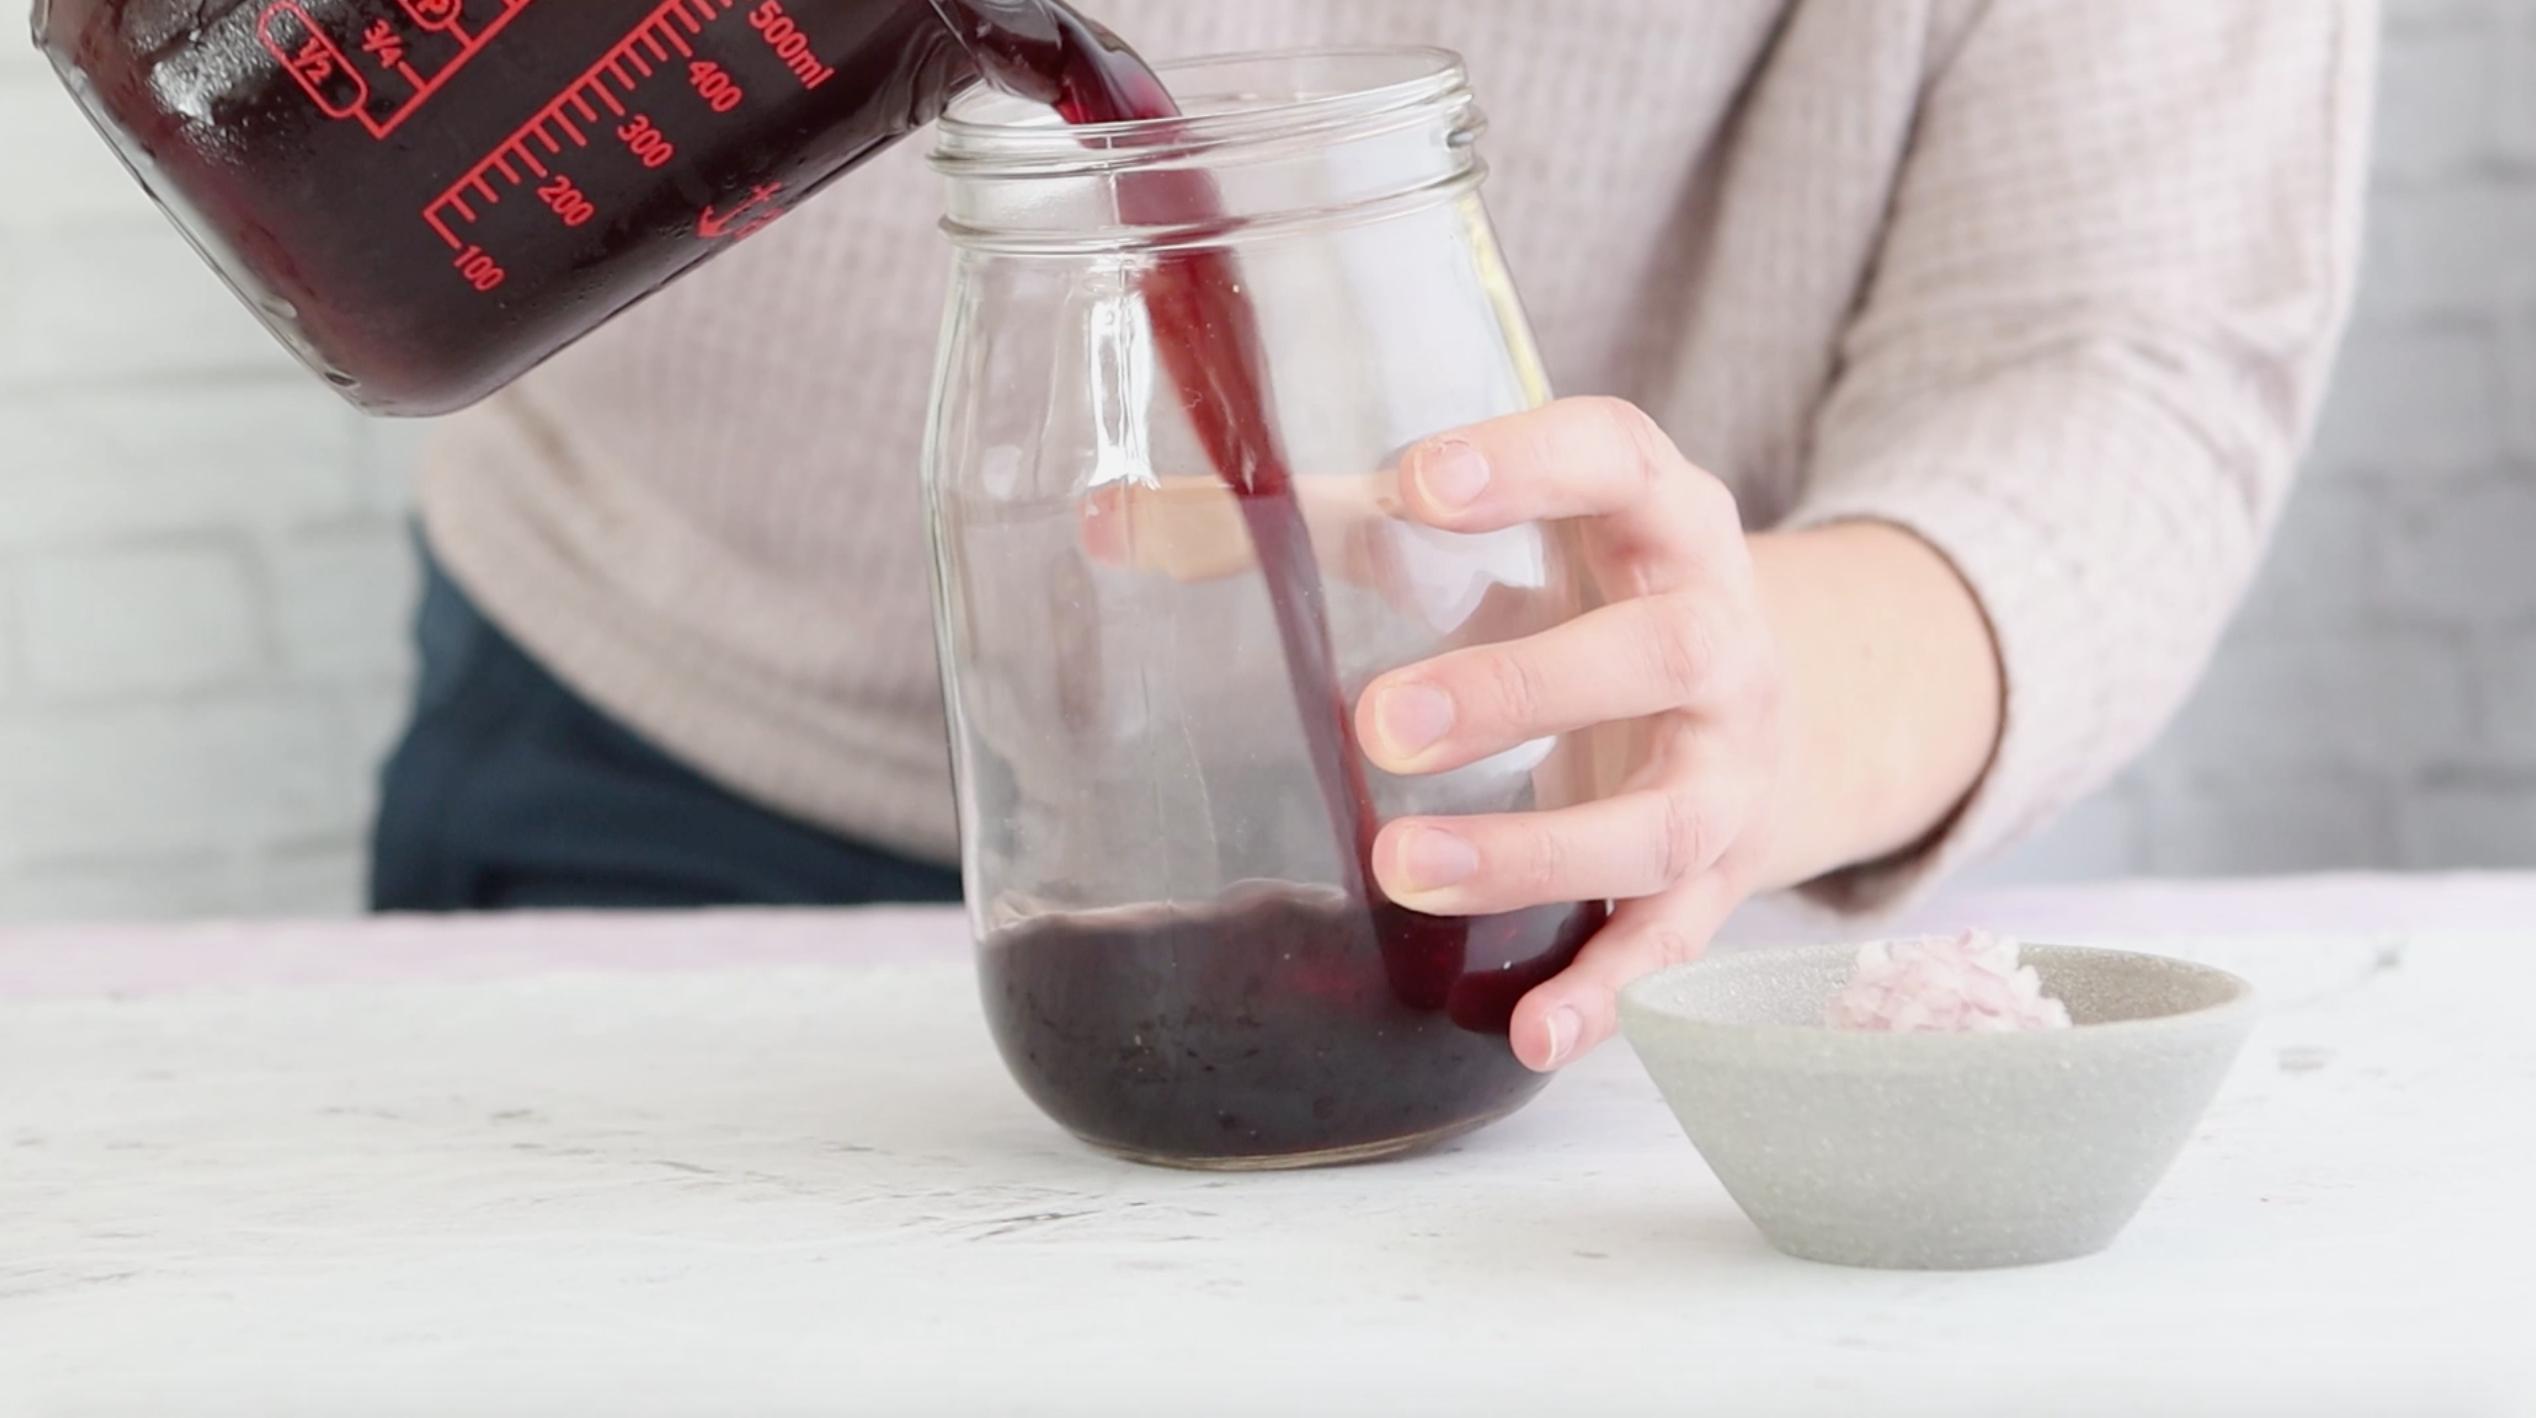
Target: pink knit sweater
{"points": [[2054, 283]]}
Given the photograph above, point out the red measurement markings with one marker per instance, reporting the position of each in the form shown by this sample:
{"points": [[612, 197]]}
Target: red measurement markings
{"points": [[382, 42], [790, 44], [747, 217], [439, 16], [715, 86], [567, 201], [323, 67], [478, 269], [567, 119], [646, 142], [313, 58]]}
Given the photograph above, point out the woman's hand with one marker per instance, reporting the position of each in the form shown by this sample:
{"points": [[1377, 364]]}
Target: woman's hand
{"points": [[1798, 703], [1789, 703], [1681, 645]]}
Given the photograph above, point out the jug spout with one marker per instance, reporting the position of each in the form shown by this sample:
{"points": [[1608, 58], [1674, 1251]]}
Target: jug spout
{"points": [[1050, 53]]}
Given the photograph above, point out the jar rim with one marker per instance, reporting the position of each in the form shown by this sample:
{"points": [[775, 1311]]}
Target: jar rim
{"points": [[987, 132]]}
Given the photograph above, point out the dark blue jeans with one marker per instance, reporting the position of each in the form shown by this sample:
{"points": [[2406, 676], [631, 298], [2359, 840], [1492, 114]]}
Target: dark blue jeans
{"points": [[511, 792]]}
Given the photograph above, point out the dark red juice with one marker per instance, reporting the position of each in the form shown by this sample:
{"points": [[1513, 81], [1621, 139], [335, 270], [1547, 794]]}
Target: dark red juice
{"points": [[1270, 1023], [1262, 1026]]}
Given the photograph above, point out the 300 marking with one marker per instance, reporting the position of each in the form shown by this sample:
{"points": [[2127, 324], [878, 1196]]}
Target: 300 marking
{"points": [[650, 146]]}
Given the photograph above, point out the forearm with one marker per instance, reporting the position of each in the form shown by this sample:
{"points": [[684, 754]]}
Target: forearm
{"points": [[1893, 694]]}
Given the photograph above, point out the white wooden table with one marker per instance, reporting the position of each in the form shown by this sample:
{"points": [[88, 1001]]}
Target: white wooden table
{"points": [[761, 1164]]}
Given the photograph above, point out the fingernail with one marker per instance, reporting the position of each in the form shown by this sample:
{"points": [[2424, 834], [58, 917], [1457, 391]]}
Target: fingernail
{"points": [[1433, 860], [1566, 1027], [1452, 474], [1412, 718]]}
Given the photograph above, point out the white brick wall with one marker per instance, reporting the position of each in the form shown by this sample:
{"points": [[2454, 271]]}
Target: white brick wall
{"points": [[204, 577], [203, 574]]}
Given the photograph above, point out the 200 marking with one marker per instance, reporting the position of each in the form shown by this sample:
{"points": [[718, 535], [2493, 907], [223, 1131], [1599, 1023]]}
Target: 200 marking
{"points": [[567, 201]]}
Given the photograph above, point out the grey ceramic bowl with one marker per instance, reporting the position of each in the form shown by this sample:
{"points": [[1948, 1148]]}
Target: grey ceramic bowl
{"points": [[1938, 1152]]}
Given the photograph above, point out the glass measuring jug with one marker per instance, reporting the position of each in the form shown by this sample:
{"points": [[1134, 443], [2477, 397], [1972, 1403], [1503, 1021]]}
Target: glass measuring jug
{"points": [[426, 198]]}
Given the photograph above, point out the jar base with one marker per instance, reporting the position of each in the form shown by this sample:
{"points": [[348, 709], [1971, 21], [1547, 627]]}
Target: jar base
{"points": [[1348, 1156]]}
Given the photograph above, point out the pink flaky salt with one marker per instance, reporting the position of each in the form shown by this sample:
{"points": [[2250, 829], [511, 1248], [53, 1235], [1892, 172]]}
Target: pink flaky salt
{"points": [[1959, 984]]}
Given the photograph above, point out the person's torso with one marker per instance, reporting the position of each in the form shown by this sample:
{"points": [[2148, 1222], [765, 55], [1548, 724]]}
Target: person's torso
{"points": [[1688, 194]]}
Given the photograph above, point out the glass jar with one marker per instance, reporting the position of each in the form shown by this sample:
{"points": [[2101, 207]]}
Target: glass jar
{"points": [[1181, 956]]}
